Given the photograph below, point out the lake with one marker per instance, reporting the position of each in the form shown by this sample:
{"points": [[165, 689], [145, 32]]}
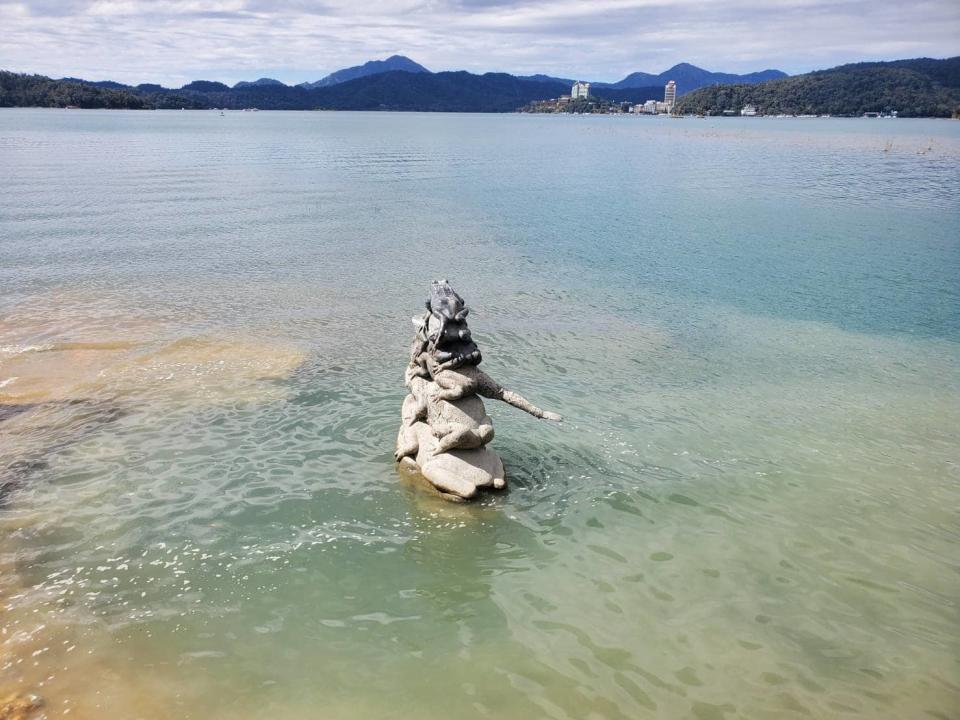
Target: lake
{"points": [[751, 327]]}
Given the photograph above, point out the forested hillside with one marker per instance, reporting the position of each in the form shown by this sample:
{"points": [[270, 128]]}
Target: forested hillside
{"points": [[914, 88], [38, 91]]}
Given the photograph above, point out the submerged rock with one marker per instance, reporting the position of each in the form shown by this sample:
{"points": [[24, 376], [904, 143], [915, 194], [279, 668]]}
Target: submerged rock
{"points": [[204, 368], [445, 428], [20, 706], [69, 366]]}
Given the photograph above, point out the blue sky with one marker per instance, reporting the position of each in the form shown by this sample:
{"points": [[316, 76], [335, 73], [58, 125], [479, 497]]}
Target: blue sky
{"points": [[175, 41]]}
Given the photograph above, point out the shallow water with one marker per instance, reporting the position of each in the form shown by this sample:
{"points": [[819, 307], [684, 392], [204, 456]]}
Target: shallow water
{"points": [[751, 327]]}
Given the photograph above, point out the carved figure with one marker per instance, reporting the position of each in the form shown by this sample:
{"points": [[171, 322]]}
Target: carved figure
{"points": [[444, 303], [443, 331], [444, 428]]}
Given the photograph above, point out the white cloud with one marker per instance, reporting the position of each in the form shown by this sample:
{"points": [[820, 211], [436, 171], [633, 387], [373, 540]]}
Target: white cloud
{"points": [[174, 41]]}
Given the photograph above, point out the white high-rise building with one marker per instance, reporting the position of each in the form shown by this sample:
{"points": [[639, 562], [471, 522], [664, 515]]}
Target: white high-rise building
{"points": [[670, 94], [580, 90]]}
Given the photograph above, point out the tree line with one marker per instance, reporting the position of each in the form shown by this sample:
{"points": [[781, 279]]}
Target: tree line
{"points": [[18, 90], [912, 88]]}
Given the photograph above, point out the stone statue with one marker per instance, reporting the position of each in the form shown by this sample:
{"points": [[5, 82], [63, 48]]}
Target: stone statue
{"points": [[445, 428]]}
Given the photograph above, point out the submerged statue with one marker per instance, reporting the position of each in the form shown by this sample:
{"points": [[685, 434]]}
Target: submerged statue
{"points": [[444, 428]]}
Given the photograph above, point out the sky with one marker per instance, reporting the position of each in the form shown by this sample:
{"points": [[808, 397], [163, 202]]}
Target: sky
{"points": [[175, 41]]}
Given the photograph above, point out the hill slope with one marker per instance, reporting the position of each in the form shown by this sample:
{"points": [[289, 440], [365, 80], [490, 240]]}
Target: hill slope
{"points": [[540, 77], [436, 92], [690, 77], [18, 90], [256, 83], [373, 67], [914, 88]]}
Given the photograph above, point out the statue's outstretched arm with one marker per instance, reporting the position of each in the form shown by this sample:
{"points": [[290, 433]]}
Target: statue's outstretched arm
{"points": [[488, 387], [519, 401]]}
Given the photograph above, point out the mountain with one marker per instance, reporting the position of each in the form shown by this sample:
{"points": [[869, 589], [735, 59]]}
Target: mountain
{"points": [[636, 79], [545, 78], [944, 72], [205, 86], [257, 83], [374, 67], [17, 90], [922, 87], [690, 77], [436, 92], [108, 84], [264, 97]]}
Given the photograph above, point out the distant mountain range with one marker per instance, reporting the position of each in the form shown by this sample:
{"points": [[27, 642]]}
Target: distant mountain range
{"points": [[688, 78], [373, 67], [393, 90], [922, 87], [914, 87]]}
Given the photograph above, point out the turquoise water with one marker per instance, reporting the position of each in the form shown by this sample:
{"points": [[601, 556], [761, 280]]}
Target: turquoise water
{"points": [[751, 327]]}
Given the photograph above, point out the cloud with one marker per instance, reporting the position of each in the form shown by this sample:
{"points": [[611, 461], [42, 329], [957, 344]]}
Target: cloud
{"points": [[174, 41], [51, 8]]}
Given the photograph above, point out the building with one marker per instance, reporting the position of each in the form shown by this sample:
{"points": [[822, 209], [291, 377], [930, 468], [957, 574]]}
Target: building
{"points": [[580, 90], [670, 95]]}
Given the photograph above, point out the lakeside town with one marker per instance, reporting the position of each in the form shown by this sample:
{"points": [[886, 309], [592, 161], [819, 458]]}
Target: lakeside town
{"points": [[580, 101]]}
